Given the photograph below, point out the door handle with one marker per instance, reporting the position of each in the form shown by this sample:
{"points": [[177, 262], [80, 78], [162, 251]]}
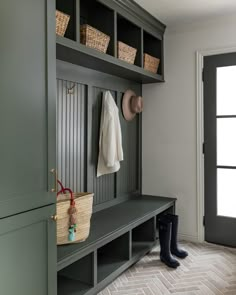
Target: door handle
{"points": [[54, 173]]}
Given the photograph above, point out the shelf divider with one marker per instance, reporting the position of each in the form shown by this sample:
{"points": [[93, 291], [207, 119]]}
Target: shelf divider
{"points": [[77, 16], [95, 268], [142, 48], [115, 35]]}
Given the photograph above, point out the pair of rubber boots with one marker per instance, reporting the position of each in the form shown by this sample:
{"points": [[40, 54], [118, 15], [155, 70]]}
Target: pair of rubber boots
{"points": [[168, 231]]}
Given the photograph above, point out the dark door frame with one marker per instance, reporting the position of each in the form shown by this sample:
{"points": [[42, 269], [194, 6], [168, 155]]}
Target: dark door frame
{"points": [[200, 133]]}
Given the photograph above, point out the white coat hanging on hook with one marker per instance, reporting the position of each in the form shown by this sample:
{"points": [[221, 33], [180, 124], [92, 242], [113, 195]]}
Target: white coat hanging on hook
{"points": [[110, 141]]}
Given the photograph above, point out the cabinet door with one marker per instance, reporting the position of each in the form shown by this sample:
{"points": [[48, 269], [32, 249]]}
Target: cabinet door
{"points": [[27, 104], [28, 253]]}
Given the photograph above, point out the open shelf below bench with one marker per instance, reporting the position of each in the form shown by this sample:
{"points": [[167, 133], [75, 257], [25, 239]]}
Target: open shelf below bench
{"points": [[78, 277], [68, 286], [112, 256], [108, 266], [141, 248]]}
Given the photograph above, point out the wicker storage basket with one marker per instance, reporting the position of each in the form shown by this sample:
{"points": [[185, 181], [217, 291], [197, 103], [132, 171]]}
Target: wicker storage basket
{"points": [[62, 21], [93, 38], [126, 52], [151, 63], [83, 203]]}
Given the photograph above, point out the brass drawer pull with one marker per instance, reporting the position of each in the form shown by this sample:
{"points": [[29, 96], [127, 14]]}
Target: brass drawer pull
{"points": [[54, 172]]}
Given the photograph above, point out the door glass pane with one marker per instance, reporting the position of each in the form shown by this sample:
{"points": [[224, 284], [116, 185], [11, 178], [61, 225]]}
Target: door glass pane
{"points": [[226, 192], [226, 142], [226, 90]]}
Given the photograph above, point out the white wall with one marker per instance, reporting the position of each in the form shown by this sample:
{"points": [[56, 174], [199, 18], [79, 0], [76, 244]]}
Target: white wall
{"points": [[169, 118]]}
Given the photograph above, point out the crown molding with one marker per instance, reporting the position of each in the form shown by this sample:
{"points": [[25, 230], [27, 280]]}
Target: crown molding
{"points": [[137, 12]]}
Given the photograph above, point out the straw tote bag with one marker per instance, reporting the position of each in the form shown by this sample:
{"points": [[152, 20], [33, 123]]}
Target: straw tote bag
{"points": [[74, 211]]}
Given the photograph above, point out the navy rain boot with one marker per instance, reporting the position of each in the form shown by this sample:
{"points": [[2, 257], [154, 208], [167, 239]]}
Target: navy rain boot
{"points": [[174, 241], [165, 238]]}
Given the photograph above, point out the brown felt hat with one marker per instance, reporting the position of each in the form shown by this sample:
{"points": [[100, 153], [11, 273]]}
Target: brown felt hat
{"points": [[131, 105]]}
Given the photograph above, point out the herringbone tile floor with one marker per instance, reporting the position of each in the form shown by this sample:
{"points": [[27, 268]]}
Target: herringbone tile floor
{"points": [[209, 269]]}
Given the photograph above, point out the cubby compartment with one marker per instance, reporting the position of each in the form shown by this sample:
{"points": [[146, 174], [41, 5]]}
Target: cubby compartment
{"points": [[130, 34], [154, 47], [112, 256], [68, 7], [170, 210], [100, 17], [77, 278], [143, 237], [117, 22]]}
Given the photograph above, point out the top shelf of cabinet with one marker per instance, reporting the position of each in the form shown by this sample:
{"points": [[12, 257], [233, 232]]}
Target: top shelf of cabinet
{"points": [[123, 21]]}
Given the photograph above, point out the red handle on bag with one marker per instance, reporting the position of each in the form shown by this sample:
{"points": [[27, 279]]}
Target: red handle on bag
{"points": [[64, 190]]}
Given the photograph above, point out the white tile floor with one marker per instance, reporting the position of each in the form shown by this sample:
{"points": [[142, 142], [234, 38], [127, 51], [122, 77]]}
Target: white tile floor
{"points": [[209, 269]]}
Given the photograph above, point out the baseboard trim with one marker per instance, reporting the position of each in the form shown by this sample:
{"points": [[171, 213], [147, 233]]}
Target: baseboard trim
{"points": [[188, 238]]}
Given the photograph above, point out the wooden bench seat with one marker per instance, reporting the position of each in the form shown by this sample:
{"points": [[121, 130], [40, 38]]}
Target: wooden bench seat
{"points": [[129, 227]]}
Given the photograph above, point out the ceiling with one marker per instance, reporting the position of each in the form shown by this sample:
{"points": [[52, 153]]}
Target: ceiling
{"points": [[172, 12]]}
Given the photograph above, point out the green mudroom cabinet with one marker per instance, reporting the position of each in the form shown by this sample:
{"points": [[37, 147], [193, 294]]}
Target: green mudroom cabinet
{"points": [[28, 114], [27, 147], [27, 105]]}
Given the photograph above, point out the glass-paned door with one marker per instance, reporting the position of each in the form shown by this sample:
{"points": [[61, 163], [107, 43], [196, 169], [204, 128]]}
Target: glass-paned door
{"points": [[220, 151]]}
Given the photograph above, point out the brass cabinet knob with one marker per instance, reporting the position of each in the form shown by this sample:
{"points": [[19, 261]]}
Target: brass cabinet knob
{"points": [[54, 217]]}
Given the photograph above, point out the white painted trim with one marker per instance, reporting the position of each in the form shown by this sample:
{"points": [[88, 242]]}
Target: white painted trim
{"points": [[200, 133]]}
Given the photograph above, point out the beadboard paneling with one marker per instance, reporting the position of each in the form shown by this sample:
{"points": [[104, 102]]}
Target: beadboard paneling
{"points": [[71, 118], [127, 177], [78, 129]]}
